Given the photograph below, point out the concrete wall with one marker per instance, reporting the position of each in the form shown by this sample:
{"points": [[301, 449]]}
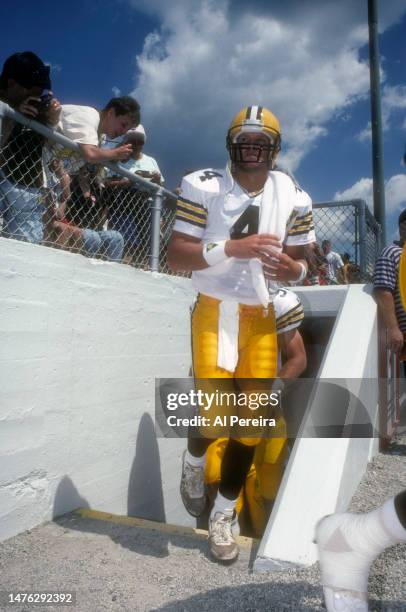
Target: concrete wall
{"points": [[323, 473], [81, 342]]}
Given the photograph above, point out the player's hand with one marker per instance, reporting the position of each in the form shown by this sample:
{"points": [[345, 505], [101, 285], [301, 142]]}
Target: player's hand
{"points": [[280, 267], [395, 339], [253, 246], [122, 153], [28, 108]]}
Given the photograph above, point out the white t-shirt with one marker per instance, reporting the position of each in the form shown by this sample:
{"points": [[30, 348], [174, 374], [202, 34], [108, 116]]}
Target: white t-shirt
{"points": [[80, 124], [212, 207], [334, 264], [146, 164]]}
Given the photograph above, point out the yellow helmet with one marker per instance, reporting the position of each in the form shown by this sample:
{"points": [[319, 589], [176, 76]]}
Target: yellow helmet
{"points": [[254, 119]]}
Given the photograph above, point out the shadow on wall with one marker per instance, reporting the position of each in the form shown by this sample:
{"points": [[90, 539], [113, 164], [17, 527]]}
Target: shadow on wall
{"points": [[145, 495], [144, 500], [67, 498]]}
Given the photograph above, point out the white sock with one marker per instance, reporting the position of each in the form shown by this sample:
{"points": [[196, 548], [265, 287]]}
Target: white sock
{"points": [[224, 505], [349, 543], [195, 461]]}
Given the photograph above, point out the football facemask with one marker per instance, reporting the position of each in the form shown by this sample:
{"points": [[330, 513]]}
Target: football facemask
{"points": [[254, 119], [252, 153]]}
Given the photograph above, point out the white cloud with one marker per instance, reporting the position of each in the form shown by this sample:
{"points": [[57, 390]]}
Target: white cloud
{"points": [[395, 193], [393, 100], [116, 91], [208, 59]]}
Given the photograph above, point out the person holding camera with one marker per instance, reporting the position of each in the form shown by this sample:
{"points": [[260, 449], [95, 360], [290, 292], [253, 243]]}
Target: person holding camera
{"points": [[82, 213], [25, 85], [129, 206]]}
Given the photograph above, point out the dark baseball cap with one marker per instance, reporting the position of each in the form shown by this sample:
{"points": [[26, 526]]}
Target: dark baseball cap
{"points": [[402, 217], [27, 69]]}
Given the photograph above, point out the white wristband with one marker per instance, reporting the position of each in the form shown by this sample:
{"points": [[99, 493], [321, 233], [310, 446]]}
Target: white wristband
{"points": [[302, 274], [214, 252]]}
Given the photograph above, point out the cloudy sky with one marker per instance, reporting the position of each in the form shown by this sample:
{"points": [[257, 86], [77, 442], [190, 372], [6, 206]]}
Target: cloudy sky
{"points": [[193, 64]]}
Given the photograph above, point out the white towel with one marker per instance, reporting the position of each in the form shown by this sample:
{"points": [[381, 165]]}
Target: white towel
{"points": [[276, 207], [274, 211], [227, 343]]}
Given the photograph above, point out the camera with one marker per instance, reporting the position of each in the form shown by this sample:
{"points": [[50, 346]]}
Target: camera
{"points": [[42, 106], [144, 173]]}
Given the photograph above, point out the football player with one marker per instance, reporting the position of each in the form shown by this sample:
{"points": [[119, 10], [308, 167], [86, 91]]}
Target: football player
{"points": [[240, 231], [271, 454]]}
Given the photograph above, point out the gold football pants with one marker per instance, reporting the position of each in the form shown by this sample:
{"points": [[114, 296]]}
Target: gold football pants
{"points": [[257, 359]]}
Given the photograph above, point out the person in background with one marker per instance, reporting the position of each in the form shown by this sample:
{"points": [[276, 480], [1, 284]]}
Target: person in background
{"points": [[261, 485], [317, 266], [335, 263], [85, 210], [387, 291], [25, 85], [128, 204]]}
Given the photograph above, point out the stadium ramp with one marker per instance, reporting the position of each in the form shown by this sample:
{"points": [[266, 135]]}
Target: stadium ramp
{"points": [[322, 474]]}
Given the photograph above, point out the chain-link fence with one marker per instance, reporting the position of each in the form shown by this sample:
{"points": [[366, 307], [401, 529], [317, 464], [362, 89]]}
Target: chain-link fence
{"points": [[100, 211], [353, 233], [108, 212]]}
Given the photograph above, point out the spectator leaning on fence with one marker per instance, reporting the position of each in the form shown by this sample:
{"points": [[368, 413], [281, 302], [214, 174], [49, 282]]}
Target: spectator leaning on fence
{"points": [[387, 294], [335, 263], [23, 201], [128, 204], [140, 163], [84, 209]]}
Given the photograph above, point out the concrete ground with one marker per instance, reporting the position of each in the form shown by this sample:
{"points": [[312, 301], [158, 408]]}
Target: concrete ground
{"points": [[113, 566]]}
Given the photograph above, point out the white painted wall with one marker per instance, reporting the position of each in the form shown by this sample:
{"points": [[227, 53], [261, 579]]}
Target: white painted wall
{"points": [[323, 474], [81, 342]]}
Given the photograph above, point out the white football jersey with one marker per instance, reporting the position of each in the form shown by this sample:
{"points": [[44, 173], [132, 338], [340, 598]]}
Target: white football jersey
{"points": [[288, 310], [212, 207]]}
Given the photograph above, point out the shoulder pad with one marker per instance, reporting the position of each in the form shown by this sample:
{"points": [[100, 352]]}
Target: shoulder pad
{"points": [[207, 181], [288, 310]]}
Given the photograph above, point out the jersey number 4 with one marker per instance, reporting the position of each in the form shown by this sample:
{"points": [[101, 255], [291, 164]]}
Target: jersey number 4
{"points": [[247, 224]]}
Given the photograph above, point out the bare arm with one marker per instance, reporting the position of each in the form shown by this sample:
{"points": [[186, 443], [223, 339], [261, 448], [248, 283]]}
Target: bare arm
{"points": [[386, 307], [293, 350], [185, 253], [96, 155]]}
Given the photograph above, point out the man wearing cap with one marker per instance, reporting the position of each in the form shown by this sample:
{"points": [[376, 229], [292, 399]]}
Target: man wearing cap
{"points": [[140, 163], [23, 79], [387, 291], [129, 205]]}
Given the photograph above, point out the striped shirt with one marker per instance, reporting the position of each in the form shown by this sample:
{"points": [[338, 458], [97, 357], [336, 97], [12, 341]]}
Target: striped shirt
{"points": [[386, 277]]}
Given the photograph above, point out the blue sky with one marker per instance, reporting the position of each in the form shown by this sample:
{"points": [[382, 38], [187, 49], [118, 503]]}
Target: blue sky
{"points": [[193, 63]]}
